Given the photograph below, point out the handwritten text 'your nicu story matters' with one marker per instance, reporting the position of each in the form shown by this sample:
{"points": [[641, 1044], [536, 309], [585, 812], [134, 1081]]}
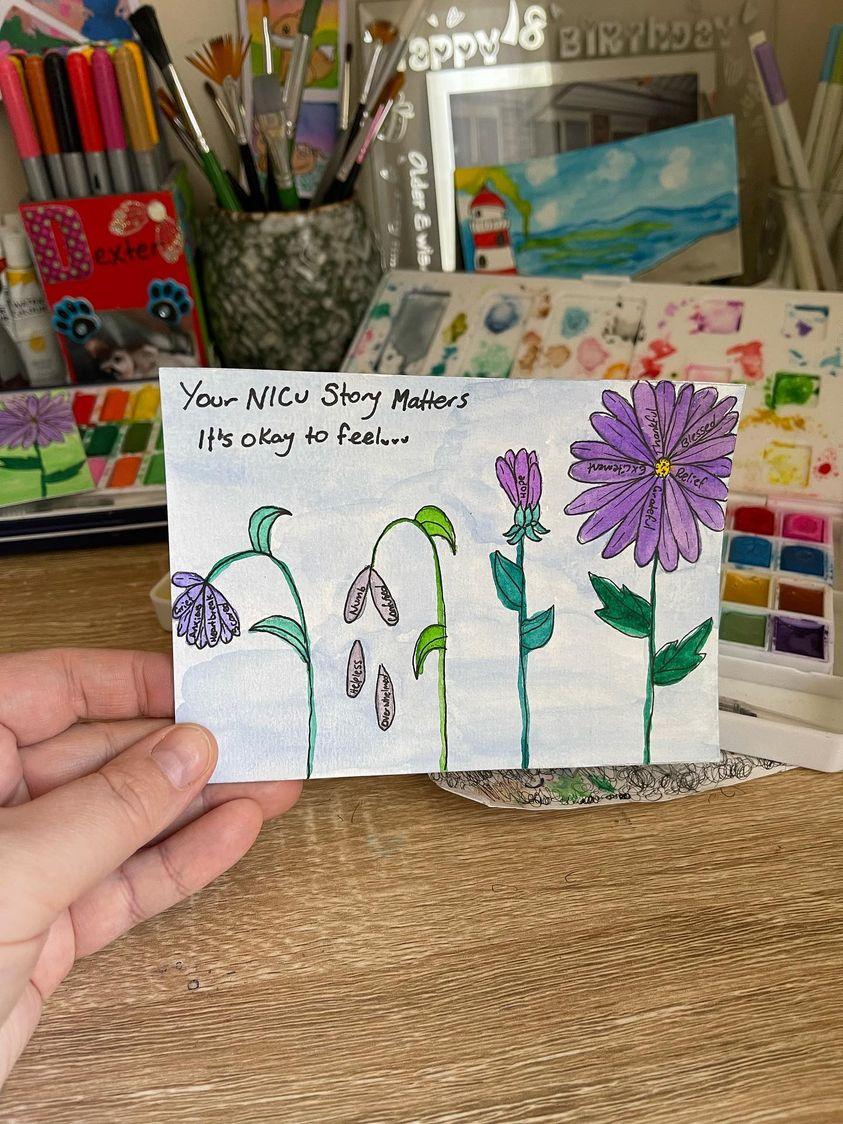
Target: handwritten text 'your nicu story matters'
{"points": [[273, 396]]}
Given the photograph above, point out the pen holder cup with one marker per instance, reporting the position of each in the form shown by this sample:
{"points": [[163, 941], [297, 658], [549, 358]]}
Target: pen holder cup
{"points": [[787, 254], [286, 291]]}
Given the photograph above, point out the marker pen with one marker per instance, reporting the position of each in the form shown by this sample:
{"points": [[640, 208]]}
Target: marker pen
{"points": [[39, 99], [90, 126], [64, 115], [23, 129], [108, 96], [131, 96], [149, 108]]}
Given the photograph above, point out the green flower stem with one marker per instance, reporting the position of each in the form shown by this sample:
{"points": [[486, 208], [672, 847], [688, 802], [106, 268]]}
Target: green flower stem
{"points": [[39, 457], [522, 662], [440, 620], [223, 565], [650, 697]]}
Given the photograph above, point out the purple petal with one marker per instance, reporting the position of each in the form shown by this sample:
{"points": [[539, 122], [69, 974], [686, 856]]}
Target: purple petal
{"points": [[680, 416], [622, 409], [646, 410], [668, 549], [185, 600], [506, 479], [665, 393], [713, 423], [211, 626], [522, 467], [720, 466], [612, 513], [707, 451], [592, 498], [709, 512], [623, 534], [534, 482], [194, 621], [621, 437], [650, 524], [696, 479], [184, 577], [602, 472], [682, 521], [595, 450]]}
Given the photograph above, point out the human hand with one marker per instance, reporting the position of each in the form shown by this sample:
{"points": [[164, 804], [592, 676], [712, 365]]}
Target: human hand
{"points": [[92, 770]]}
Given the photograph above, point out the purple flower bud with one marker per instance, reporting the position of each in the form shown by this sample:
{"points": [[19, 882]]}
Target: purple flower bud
{"points": [[356, 673], [520, 477], [383, 600], [358, 591], [384, 699]]}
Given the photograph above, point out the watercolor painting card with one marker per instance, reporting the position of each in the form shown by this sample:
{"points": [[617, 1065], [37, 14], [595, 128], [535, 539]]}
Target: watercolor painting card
{"points": [[395, 575], [41, 454], [786, 347], [661, 206]]}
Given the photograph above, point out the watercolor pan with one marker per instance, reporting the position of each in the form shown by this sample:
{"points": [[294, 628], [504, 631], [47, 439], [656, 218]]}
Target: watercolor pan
{"points": [[121, 433]]}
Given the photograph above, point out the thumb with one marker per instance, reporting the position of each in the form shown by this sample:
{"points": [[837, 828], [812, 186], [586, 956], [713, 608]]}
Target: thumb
{"points": [[65, 842]]}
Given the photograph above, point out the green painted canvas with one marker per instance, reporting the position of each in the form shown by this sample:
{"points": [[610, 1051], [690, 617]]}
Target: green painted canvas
{"points": [[41, 452]]}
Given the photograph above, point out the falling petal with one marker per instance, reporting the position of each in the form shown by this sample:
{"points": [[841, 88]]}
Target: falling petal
{"points": [[382, 599], [355, 676], [355, 601], [384, 699]]}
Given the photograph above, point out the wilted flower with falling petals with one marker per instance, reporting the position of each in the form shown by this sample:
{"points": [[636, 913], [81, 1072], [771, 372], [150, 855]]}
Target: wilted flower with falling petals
{"points": [[205, 618]]}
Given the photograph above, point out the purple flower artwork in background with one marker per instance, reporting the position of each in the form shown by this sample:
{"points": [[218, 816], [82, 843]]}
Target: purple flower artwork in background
{"points": [[35, 422], [656, 475], [34, 419], [520, 477]]}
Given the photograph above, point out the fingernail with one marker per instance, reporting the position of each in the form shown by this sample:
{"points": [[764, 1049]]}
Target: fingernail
{"points": [[183, 755]]}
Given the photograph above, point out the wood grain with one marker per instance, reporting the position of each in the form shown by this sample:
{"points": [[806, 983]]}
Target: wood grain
{"points": [[388, 952]]}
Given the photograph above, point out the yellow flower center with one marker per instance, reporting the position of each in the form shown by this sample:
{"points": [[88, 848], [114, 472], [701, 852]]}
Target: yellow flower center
{"points": [[662, 467]]}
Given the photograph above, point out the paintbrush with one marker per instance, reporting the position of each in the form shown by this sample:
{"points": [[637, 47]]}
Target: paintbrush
{"points": [[345, 87], [297, 70], [168, 108], [145, 23], [221, 61], [220, 106], [268, 105], [377, 35], [349, 170]]}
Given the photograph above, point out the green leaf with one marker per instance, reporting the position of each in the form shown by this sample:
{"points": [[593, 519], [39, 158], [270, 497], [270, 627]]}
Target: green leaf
{"points": [[622, 609], [679, 658], [431, 639], [509, 581], [261, 524], [62, 474], [437, 524], [285, 629], [19, 464], [537, 629]]}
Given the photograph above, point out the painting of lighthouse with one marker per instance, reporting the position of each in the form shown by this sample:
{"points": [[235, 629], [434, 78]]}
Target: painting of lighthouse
{"points": [[657, 207]]}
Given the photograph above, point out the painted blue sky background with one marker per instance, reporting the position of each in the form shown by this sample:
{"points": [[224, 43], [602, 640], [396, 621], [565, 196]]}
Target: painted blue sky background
{"points": [[683, 167]]}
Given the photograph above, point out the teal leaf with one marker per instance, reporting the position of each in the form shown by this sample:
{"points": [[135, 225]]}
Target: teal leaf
{"points": [[622, 609], [679, 658], [19, 464], [435, 523], [509, 581], [431, 639], [62, 474], [537, 629], [287, 630], [261, 524]]}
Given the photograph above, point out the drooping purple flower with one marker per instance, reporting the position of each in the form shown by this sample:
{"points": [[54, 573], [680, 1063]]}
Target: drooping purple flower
{"points": [[35, 419], [520, 477], [658, 471], [205, 618]]}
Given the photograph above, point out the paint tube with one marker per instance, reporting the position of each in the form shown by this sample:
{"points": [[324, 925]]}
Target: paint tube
{"points": [[30, 323]]}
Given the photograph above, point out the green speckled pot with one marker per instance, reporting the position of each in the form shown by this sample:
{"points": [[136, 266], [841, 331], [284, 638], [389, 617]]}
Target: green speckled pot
{"points": [[287, 291]]}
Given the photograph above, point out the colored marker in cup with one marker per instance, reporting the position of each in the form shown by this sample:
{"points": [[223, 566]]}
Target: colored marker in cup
{"points": [[131, 97], [108, 95], [90, 127], [67, 127], [39, 99], [23, 129]]}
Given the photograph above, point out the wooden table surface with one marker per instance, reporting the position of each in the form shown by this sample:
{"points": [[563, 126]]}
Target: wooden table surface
{"points": [[389, 952]]}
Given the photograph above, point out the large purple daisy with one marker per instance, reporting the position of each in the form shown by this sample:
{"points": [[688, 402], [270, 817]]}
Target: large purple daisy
{"points": [[205, 618], [658, 471], [34, 419]]}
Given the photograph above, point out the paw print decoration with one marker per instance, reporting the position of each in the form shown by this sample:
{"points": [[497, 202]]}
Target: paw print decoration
{"points": [[168, 301], [131, 216], [75, 318]]}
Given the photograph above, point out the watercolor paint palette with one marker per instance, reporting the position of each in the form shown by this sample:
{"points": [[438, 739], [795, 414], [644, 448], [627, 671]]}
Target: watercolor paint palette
{"points": [[119, 426]]}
